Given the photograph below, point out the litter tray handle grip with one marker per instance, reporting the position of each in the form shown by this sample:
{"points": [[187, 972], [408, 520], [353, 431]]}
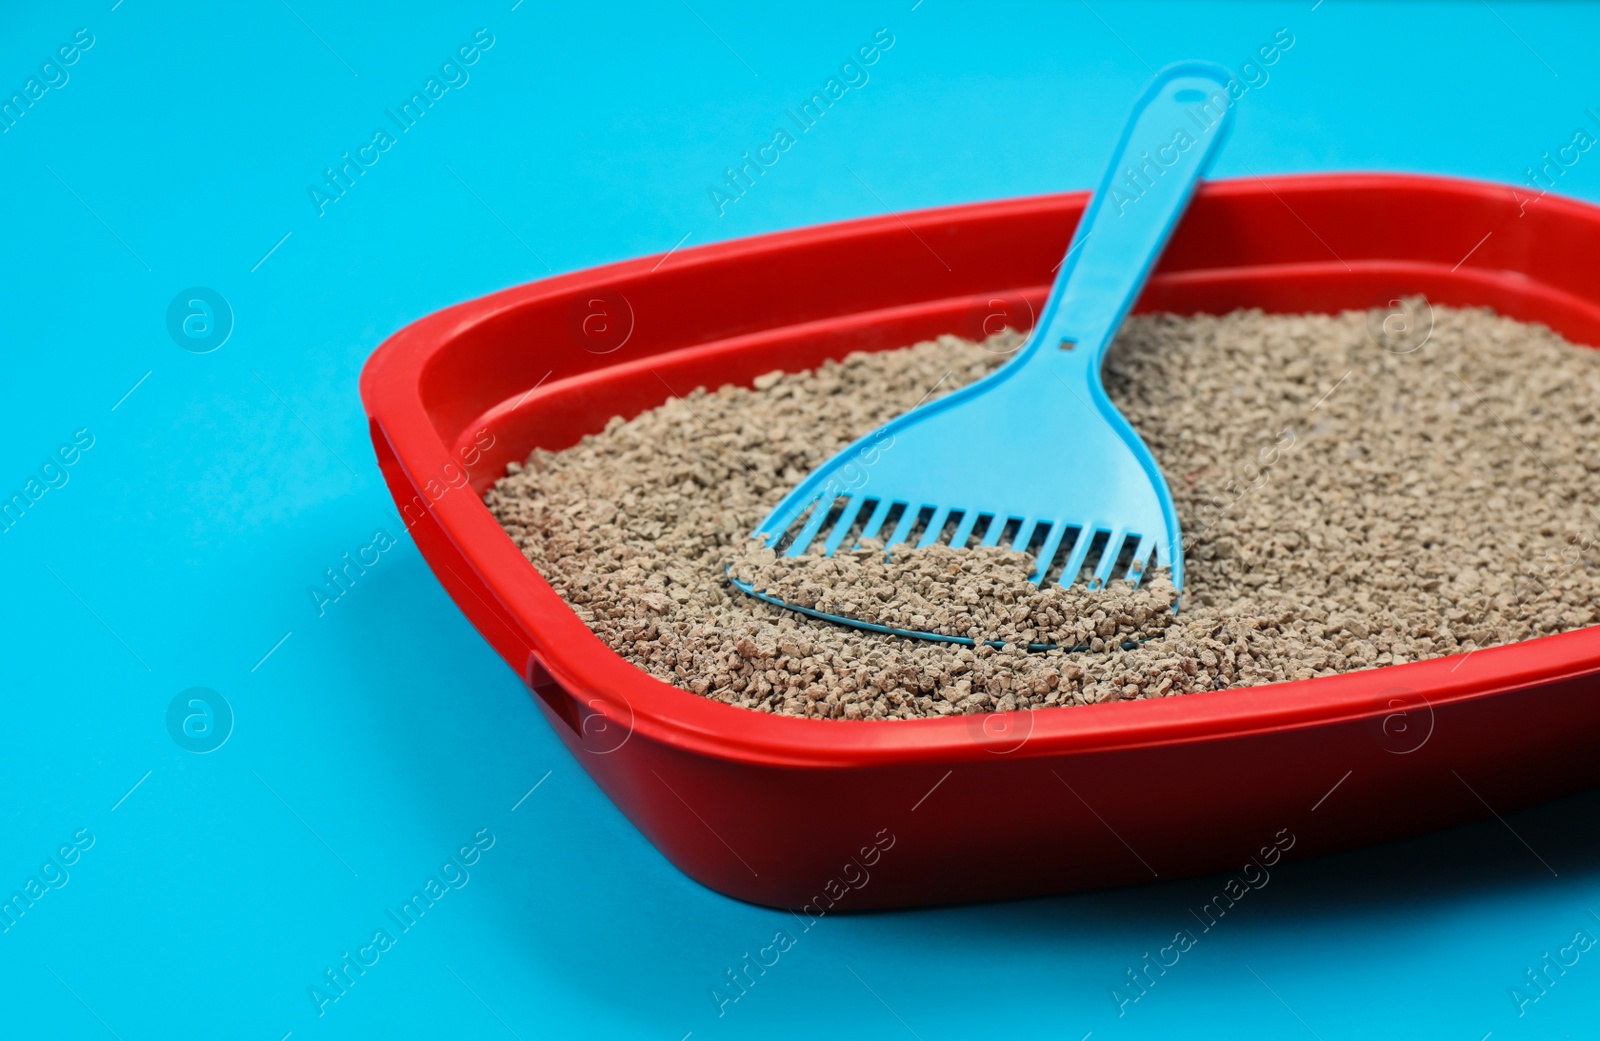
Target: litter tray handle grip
{"points": [[1168, 142], [598, 723]]}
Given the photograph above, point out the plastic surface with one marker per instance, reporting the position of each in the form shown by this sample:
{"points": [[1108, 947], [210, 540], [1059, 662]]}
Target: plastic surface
{"points": [[768, 808], [1036, 451]]}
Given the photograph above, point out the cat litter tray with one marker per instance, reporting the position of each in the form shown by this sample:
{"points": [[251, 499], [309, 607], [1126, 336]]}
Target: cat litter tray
{"points": [[840, 816]]}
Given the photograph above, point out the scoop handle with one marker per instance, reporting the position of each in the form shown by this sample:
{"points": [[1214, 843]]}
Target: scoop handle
{"points": [[1168, 142]]}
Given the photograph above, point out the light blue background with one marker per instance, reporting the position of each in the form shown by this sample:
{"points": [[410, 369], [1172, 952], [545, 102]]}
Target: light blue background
{"points": [[377, 739]]}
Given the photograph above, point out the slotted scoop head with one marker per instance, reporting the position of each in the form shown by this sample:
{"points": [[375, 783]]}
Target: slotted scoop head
{"points": [[1034, 456]]}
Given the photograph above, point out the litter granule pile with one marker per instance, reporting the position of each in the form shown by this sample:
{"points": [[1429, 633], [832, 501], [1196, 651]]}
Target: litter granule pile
{"points": [[1346, 501], [982, 592]]}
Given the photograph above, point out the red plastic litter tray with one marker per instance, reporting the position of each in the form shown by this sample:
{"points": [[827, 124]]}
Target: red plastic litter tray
{"points": [[836, 816]]}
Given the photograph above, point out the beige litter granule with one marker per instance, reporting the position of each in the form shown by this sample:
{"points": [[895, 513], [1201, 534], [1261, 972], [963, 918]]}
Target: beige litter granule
{"points": [[1347, 502]]}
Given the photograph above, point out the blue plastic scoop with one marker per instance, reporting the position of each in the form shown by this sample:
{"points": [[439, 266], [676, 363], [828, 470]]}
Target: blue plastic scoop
{"points": [[1035, 453]]}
